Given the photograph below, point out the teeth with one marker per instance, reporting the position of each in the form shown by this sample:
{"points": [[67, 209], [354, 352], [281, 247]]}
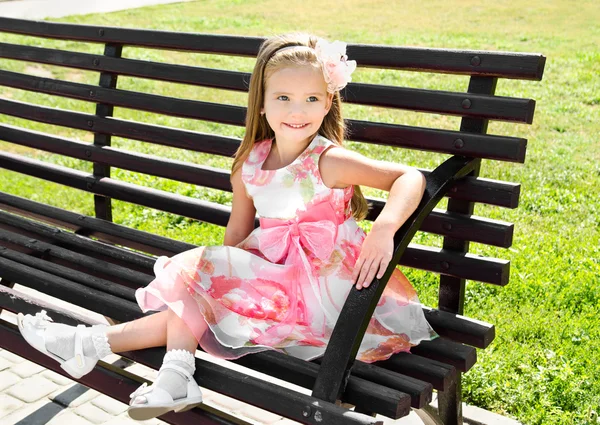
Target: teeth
{"points": [[296, 125]]}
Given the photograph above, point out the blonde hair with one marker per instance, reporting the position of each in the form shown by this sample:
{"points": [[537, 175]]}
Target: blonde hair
{"points": [[272, 56]]}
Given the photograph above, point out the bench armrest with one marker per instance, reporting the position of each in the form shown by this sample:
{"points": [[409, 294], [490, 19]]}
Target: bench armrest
{"points": [[360, 305]]}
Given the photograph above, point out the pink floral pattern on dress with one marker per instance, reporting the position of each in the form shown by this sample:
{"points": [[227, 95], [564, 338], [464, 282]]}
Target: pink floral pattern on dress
{"points": [[283, 287]]}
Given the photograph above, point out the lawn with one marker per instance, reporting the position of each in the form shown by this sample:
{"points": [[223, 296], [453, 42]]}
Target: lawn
{"points": [[543, 367]]}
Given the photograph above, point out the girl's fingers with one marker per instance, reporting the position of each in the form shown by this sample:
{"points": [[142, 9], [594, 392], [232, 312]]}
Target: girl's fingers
{"points": [[383, 267], [357, 268], [371, 274], [364, 270]]}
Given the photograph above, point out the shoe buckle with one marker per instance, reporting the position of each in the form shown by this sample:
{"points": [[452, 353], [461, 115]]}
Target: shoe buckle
{"points": [[79, 361]]}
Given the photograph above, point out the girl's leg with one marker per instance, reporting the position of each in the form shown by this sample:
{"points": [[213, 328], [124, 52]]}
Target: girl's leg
{"points": [[156, 330], [149, 331], [179, 335]]}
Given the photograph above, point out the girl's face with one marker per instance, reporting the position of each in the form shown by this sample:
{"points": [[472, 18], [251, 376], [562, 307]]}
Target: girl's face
{"points": [[295, 103]]}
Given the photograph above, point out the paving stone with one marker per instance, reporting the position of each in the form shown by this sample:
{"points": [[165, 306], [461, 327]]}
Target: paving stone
{"points": [[7, 379], [109, 405], [227, 404], [68, 417], [57, 378], [92, 413], [8, 404], [26, 369], [207, 394], [32, 389], [5, 363], [259, 415], [23, 412], [143, 371], [11, 357]]}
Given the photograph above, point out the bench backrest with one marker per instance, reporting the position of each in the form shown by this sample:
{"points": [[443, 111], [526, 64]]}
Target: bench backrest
{"points": [[141, 117]]}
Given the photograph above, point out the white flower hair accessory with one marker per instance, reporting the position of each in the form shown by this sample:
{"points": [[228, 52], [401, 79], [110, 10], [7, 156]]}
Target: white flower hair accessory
{"points": [[336, 66]]}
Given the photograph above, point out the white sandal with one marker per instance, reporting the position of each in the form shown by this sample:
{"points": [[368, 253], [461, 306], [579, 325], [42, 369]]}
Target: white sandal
{"points": [[33, 329], [153, 401]]}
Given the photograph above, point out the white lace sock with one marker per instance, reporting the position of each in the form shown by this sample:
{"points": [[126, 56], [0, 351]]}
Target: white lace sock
{"points": [[173, 381], [60, 340]]}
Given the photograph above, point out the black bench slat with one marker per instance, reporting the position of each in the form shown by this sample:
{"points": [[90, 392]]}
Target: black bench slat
{"points": [[445, 141], [442, 102], [216, 78], [130, 258], [501, 148], [486, 191], [460, 226], [74, 221], [467, 266], [500, 64], [65, 272], [522, 66], [166, 136], [439, 374], [435, 101], [462, 357], [176, 170], [460, 328], [178, 204], [66, 290], [91, 265], [224, 114]]}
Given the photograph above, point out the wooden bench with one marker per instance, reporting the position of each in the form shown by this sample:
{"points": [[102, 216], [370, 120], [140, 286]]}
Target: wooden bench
{"points": [[96, 264]]}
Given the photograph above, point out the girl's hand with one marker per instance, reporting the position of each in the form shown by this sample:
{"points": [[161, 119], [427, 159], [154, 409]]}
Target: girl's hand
{"points": [[375, 255]]}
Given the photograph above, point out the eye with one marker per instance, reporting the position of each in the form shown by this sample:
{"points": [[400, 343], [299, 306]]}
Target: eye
{"points": [[313, 99], [283, 97]]}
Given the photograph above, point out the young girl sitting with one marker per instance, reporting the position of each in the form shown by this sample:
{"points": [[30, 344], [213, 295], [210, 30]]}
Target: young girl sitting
{"points": [[282, 285]]}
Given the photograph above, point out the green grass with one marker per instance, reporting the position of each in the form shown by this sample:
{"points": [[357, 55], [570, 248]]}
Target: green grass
{"points": [[543, 366]]}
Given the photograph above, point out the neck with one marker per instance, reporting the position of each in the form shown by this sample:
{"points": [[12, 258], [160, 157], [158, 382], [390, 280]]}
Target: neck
{"points": [[283, 154]]}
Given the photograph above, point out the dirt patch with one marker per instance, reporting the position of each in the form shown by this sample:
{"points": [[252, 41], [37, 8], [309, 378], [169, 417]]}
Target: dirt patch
{"points": [[38, 71]]}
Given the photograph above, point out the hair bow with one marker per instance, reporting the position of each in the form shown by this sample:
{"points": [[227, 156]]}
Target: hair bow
{"points": [[336, 66]]}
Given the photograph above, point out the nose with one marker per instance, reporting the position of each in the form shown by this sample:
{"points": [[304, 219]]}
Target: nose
{"points": [[297, 108]]}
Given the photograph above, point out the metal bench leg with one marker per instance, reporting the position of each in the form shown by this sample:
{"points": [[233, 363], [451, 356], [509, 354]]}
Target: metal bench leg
{"points": [[429, 416], [450, 403]]}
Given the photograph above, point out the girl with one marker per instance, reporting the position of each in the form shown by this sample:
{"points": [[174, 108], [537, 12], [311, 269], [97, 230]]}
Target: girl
{"points": [[280, 286]]}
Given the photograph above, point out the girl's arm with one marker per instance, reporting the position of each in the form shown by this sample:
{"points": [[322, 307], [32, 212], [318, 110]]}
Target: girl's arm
{"points": [[406, 185], [241, 221]]}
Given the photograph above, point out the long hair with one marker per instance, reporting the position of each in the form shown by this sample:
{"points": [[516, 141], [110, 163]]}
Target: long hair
{"points": [[273, 56]]}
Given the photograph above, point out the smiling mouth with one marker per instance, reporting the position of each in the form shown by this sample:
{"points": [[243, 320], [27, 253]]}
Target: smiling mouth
{"points": [[296, 125]]}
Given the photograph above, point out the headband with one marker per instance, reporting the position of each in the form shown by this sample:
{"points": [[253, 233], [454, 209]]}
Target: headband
{"points": [[337, 69]]}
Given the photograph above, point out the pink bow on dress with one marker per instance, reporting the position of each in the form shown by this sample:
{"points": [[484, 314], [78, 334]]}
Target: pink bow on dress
{"points": [[315, 230]]}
